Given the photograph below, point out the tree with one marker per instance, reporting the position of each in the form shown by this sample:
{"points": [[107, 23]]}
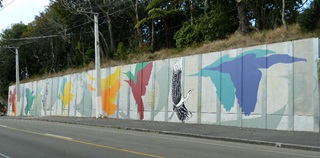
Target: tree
{"points": [[216, 24], [244, 27], [7, 71], [267, 14], [135, 8], [282, 14], [163, 13], [309, 19]]}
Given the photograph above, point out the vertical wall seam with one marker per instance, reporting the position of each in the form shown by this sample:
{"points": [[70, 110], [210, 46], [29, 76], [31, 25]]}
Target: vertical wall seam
{"points": [[51, 84], [316, 51], [35, 101], [166, 107], [199, 88], [291, 89], [183, 78], [21, 93], [154, 68], [83, 75], [57, 103], [218, 100], [265, 95], [129, 97], [118, 95], [240, 108], [69, 104], [76, 95]]}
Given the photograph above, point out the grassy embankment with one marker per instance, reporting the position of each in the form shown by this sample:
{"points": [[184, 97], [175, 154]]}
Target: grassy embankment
{"points": [[235, 40]]}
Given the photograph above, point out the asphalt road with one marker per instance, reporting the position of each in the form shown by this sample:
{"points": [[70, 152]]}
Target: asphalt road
{"points": [[31, 138]]}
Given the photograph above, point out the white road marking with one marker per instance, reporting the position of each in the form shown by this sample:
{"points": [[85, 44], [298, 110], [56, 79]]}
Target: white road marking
{"points": [[5, 156], [58, 136], [3, 126], [155, 135]]}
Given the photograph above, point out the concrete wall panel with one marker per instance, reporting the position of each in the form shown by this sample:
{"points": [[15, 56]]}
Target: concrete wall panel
{"points": [[272, 86], [230, 73], [304, 87], [191, 66], [210, 103], [162, 88], [279, 82], [124, 94]]}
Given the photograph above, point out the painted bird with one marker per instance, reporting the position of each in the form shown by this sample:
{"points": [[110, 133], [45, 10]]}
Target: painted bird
{"points": [[65, 93], [177, 98], [138, 83], [110, 87], [13, 101], [30, 98], [246, 87]]}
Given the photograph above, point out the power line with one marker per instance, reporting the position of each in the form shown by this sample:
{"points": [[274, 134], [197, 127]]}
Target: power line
{"points": [[7, 5], [29, 38]]}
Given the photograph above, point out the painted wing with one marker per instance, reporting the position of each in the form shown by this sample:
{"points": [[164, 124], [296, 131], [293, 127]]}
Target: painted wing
{"points": [[161, 77], [247, 98], [143, 77], [176, 86], [278, 58]]}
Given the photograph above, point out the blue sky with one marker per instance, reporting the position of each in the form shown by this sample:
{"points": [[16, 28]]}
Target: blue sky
{"points": [[16, 11]]}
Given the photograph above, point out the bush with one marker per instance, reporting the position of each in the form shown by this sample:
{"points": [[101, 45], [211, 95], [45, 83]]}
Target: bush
{"points": [[216, 24], [121, 53], [187, 35]]}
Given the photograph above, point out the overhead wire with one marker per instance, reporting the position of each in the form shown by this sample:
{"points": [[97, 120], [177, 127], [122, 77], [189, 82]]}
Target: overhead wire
{"points": [[7, 5]]}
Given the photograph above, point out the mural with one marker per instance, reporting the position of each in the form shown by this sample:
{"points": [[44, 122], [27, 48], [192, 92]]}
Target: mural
{"points": [[65, 93], [177, 98], [249, 63], [84, 107], [161, 77], [138, 83], [30, 96], [13, 101], [233, 87], [109, 90], [44, 96], [54, 93]]}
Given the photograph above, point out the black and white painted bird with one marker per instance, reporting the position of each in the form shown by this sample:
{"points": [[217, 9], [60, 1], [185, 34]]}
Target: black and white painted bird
{"points": [[177, 98]]}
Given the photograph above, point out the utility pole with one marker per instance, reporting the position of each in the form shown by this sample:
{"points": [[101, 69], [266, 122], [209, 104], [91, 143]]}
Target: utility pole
{"points": [[17, 76], [17, 79], [97, 65], [97, 61]]}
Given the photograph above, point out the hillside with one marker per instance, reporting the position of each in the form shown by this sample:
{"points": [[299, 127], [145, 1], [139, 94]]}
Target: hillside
{"points": [[235, 40]]}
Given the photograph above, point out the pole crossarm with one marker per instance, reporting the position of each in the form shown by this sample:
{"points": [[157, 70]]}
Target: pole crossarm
{"points": [[30, 38]]}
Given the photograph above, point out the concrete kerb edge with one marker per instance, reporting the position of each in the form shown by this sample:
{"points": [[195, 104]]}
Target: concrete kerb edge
{"points": [[268, 143]]}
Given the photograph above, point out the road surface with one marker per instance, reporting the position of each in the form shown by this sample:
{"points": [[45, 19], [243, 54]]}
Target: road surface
{"points": [[38, 139]]}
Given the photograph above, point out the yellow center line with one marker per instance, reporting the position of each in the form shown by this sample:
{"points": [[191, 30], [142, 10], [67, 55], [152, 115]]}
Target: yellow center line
{"points": [[86, 143]]}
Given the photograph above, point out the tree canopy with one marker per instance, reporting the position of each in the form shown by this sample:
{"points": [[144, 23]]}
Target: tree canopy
{"points": [[62, 36]]}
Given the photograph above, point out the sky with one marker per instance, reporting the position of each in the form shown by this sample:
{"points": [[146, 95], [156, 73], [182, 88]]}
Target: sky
{"points": [[16, 11]]}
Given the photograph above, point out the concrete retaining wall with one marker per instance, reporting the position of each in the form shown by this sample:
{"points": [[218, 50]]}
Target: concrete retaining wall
{"points": [[272, 86]]}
